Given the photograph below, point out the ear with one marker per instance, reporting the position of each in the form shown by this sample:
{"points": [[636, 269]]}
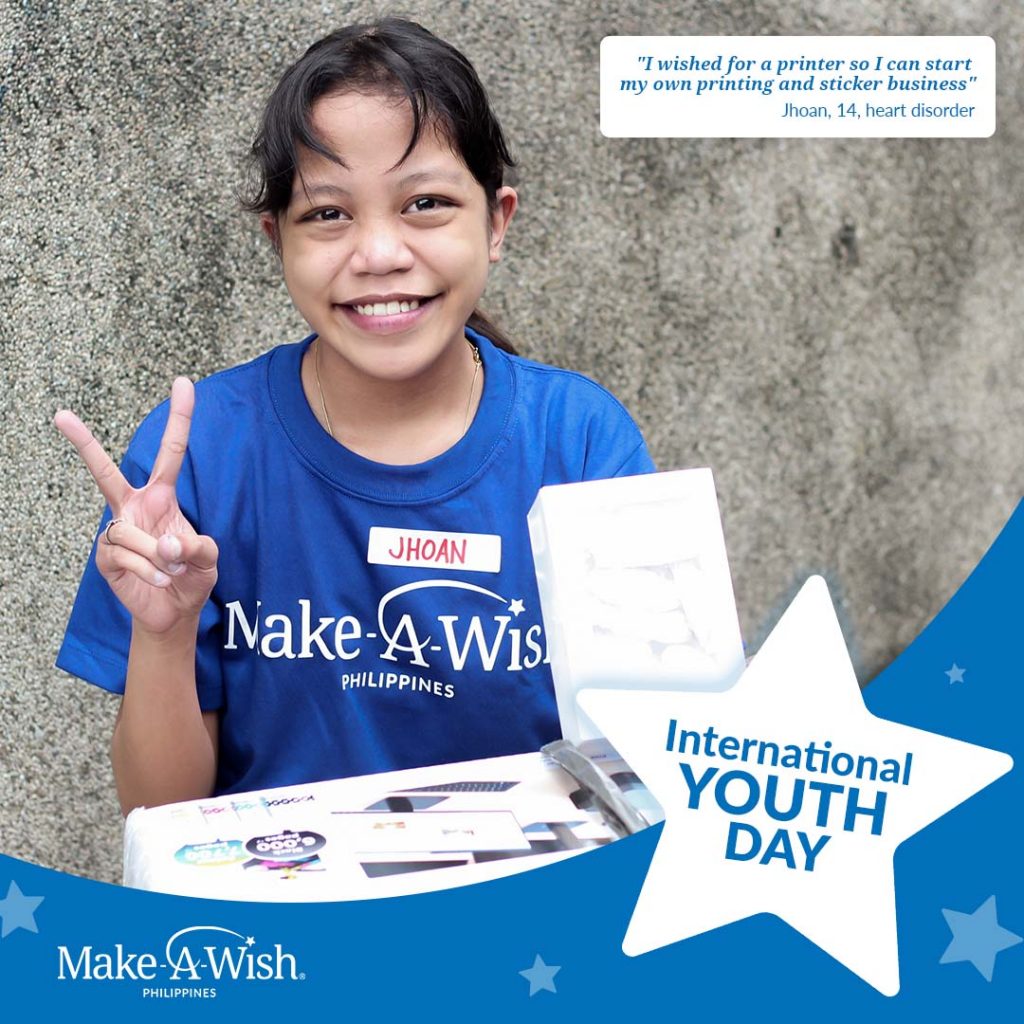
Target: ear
{"points": [[500, 218], [268, 223]]}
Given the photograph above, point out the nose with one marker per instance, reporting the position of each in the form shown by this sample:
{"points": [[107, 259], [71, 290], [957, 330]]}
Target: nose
{"points": [[380, 248]]}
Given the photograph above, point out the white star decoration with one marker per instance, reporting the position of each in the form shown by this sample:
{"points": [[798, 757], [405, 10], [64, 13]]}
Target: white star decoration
{"points": [[516, 607], [799, 690]]}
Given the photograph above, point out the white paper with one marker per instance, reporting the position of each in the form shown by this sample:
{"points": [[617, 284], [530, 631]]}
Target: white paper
{"points": [[430, 831]]}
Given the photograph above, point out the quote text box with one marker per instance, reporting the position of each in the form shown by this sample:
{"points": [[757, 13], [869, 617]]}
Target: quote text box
{"points": [[798, 86]]}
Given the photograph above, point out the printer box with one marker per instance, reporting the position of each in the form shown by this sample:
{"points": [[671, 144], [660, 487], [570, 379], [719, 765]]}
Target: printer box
{"points": [[391, 834], [634, 587]]}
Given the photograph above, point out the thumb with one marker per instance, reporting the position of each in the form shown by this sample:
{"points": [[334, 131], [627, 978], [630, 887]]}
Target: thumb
{"points": [[196, 549]]}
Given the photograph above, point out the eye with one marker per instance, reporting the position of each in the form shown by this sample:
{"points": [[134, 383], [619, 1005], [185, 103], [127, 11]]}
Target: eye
{"points": [[326, 215], [427, 204]]}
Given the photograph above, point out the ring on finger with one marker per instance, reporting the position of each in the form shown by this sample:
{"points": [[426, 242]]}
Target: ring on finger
{"points": [[106, 532]]}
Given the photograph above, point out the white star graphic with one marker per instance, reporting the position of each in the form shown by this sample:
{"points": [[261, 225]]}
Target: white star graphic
{"points": [[249, 940], [812, 846], [516, 607], [956, 673]]}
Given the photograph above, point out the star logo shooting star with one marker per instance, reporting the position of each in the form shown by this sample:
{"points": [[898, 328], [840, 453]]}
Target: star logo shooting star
{"points": [[18, 911], [977, 938], [785, 795], [516, 607], [956, 674], [540, 976]]}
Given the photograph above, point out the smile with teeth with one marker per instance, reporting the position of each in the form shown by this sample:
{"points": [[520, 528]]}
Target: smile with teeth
{"points": [[387, 308]]}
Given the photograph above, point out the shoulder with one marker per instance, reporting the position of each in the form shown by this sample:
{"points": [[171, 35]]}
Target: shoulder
{"points": [[226, 401], [584, 431], [567, 394]]}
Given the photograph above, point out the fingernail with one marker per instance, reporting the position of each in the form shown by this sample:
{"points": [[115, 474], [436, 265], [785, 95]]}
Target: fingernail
{"points": [[173, 546], [175, 568], [161, 579]]}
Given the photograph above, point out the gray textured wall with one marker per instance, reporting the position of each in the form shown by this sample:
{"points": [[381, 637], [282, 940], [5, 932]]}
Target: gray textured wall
{"points": [[864, 418]]}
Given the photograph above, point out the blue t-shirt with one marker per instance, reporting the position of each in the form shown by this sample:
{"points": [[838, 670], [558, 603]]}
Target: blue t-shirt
{"points": [[366, 617]]}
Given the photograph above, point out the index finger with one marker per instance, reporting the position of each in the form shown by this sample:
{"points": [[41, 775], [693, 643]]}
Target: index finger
{"points": [[175, 440], [108, 477]]}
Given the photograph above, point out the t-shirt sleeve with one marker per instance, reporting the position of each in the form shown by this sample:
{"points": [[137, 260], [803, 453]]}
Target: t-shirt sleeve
{"points": [[98, 634], [615, 446], [636, 462]]}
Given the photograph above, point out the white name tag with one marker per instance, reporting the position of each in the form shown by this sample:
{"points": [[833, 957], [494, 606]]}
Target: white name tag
{"points": [[477, 552]]}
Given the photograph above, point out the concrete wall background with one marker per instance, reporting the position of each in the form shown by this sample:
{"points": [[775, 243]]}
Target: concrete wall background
{"points": [[864, 418]]}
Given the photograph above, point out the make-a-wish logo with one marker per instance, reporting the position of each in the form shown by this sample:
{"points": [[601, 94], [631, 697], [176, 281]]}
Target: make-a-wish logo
{"points": [[405, 633], [192, 956]]}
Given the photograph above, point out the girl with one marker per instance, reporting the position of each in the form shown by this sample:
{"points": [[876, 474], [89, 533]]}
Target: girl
{"points": [[317, 564]]}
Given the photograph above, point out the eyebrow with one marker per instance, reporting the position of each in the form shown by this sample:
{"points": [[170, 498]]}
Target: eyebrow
{"points": [[416, 178]]}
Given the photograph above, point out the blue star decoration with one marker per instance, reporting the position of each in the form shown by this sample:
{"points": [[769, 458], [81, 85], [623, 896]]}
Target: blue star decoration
{"points": [[977, 937], [540, 975], [18, 911], [956, 674]]}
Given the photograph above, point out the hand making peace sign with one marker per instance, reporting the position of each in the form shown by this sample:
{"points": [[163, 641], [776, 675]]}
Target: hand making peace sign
{"points": [[161, 570]]}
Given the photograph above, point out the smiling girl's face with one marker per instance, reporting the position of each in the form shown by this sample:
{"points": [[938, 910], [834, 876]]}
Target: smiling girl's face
{"points": [[386, 260]]}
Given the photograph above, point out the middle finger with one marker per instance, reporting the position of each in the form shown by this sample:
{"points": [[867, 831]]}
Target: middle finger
{"points": [[108, 477]]}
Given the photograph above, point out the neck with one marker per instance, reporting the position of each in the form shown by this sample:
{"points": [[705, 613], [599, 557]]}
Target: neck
{"points": [[395, 422]]}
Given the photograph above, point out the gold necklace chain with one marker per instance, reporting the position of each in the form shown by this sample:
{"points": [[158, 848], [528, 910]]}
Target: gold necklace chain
{"points": [[323, 404], [472, 386], [477, 361]]}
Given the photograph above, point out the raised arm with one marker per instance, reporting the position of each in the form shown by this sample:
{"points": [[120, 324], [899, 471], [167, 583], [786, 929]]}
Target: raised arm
{"points": [[164, 746]]}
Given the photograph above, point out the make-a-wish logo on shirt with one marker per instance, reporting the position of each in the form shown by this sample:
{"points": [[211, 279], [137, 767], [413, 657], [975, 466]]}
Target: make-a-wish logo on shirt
{"points": [[476, 552], [482, 639]]}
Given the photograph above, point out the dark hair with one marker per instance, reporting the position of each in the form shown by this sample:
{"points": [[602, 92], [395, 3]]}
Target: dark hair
{"points": [[393, 56]]}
